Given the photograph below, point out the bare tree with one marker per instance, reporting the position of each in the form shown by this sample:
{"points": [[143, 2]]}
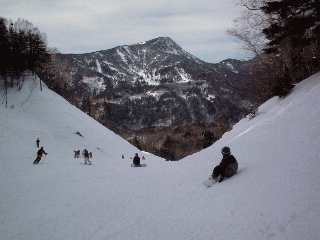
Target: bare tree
{"points": [[248, 33], [282, 37]]}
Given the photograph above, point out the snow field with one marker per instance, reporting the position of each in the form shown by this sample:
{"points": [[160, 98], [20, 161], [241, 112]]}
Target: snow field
{"points": [[275, 195]]}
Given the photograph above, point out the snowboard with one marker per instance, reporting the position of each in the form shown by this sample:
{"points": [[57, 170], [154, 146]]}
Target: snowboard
{"points": [[210, 182], [140, 165], [86, 164]]}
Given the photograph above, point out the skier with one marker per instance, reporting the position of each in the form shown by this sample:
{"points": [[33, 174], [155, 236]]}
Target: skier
{"points": [[77, 154], [38, 142], [227, 167], [86, 156], [39, 155], [136, 159]]}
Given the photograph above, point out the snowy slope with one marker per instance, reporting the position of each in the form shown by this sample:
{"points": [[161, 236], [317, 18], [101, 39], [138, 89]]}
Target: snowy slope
{"points": [[275, 195]]}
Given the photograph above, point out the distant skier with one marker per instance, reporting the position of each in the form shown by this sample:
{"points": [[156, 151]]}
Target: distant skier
{"points": [[38, 142], [227, 167], [86, 156], [136, 159], [39, 155], [77, 154], [122, 156]]}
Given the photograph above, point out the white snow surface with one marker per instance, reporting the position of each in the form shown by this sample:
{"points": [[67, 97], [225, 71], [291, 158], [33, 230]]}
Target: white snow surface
{"points": [[275, 195]]}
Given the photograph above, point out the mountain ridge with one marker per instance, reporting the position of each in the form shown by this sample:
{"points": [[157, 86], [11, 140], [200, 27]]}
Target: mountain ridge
{"points": [[158, 84], [131, 70]]}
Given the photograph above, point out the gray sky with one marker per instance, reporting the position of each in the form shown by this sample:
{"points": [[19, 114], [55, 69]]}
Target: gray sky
{"points": [[77, 26]]}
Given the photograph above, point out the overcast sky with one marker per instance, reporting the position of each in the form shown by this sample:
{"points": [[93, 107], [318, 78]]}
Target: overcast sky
{"points": [[78, 26]]}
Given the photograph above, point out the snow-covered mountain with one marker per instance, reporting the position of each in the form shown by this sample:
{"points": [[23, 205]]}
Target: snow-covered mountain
{"points": [[157, 83], [275, 195]]}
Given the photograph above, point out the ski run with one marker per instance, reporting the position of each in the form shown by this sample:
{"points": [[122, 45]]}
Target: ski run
{"points": [[275, 194]]}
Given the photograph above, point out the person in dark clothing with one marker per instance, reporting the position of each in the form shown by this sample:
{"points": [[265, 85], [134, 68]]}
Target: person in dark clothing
{"points": [[39, 155], [38, 142], [136, 159], [86, 157], [227, 167]]}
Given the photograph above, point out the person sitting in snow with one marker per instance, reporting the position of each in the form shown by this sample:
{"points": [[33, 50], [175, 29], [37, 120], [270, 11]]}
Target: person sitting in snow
{"points": [[39, 155], [227, 167], [136, 159]]}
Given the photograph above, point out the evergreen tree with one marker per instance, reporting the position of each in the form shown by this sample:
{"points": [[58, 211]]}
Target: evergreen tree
{"points": [[284, 36], [4, 47], [5, 52], [25, 45], [294, 34], [297, 21]]}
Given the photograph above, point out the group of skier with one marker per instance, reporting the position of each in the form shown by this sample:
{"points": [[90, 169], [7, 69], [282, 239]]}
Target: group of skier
{"points": [[227, 167], [41, 151]]}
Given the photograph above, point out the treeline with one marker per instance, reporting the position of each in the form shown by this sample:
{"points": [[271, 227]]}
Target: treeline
{"points": [[24, 50], [283, 37], [22, 46]]}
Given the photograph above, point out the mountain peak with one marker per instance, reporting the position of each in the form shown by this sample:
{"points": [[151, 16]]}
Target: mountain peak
{"points": [[158, 40], [162, 44], [162, 40]]}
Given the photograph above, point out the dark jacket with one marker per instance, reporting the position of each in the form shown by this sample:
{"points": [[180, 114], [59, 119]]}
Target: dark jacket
{"points": [[136, 160], [86, 154], [227, 160], [41, 152]]}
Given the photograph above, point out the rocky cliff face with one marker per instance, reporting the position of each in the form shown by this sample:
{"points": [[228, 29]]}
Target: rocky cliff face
{"points": [[158, 84]]}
